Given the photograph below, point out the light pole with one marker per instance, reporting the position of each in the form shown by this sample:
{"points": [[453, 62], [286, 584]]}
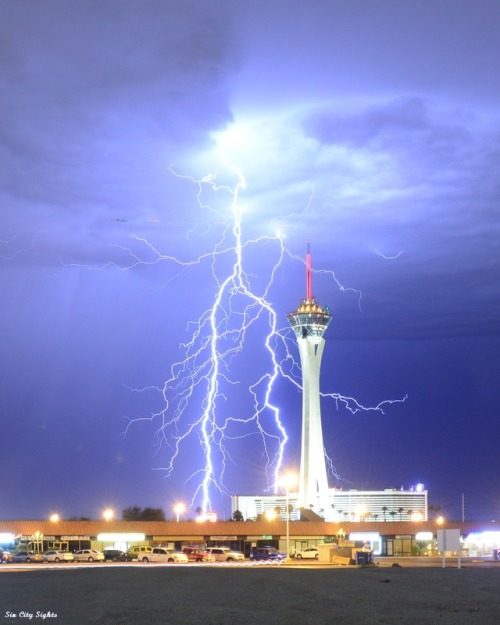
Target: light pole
{"points": [[288, 481], [108, 514], [179, 508]]}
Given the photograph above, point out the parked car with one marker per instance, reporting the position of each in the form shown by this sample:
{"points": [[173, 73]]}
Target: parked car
{"points": [[266, 553], [115, 555], [196, 554], [310, 552], [27, 556], [162, 554], [58, 556], [133, 551], [224, 554], [5, 556], [89, 555]]}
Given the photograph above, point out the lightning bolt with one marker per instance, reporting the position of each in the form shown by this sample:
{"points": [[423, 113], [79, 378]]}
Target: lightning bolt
{"points": [[11, 254], [212, 399], [385, 257], [194, 397]]}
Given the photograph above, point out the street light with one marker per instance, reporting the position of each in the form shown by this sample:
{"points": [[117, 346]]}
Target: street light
{"points": [[108, 514], [288, 480], [54, 518], [179, 508]]}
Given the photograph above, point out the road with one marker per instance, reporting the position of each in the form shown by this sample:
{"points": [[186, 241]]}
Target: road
{"points": [[404, 562]]}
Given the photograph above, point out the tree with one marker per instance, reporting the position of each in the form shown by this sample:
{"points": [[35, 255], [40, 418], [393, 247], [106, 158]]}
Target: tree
{"points": [[393, 514], [132, 513], [237, 516], [435, 509], [400, 510], [153, 514], [135, 513], [384, 511]]}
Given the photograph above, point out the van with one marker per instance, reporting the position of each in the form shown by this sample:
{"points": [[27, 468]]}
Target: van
{"points": [[133, 551]]}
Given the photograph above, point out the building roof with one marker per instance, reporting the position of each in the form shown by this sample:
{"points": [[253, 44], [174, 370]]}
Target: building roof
{"points": [[235, 528]]}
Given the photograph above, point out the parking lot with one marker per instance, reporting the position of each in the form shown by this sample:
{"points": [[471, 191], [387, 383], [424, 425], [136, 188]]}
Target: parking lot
{"points": [[242, 593]]}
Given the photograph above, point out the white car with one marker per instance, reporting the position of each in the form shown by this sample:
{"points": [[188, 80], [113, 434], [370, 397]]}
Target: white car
{"points": [[224, 554], [162, 554], [58, 556], [89, 555], [310, 552]]}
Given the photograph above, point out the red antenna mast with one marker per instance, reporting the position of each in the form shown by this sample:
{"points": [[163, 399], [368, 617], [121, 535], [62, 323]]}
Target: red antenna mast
{"points": [[308, 273]]}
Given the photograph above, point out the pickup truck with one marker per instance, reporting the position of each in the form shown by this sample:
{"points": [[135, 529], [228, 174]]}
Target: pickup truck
{"points": [[162, 554]]}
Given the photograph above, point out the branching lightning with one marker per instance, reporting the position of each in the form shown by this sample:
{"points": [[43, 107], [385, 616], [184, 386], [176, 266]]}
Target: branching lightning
{"points": [[215, 396], [385, 257], [194, 394], [196, 404]]}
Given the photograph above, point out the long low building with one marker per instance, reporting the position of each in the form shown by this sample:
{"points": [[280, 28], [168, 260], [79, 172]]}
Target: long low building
{"points": [[396, 538]]}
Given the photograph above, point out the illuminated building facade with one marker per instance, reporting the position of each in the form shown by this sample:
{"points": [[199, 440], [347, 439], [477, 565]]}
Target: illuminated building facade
{"points": [[309, 322], [342, 506]]}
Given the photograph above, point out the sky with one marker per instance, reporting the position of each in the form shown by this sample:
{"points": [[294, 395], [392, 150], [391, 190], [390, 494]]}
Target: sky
{"points": [[163, 166]]}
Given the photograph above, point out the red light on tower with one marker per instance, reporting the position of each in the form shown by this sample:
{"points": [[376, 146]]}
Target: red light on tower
{"points": [[308, 273]]}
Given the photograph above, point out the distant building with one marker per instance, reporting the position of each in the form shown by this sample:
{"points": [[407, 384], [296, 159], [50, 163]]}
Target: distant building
{"points": [[343, 505]]}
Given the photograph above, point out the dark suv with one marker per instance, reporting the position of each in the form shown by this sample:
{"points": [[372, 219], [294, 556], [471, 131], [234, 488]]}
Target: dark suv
{"points": [[115, 555], [266, 553]]}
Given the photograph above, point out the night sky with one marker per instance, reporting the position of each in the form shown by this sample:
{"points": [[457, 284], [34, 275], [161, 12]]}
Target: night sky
{"points": [[163, 162]]}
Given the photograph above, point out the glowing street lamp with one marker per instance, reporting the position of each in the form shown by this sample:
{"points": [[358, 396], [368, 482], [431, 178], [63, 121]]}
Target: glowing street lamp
{"points": [[270, 515], [108, 514], [54, 518], [288, 480], [179, 508]]}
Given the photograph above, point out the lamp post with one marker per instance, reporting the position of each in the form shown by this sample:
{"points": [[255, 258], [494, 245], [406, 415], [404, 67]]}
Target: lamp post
{"points": [[108, 514], [288, 481], [38, 541], [179, 508]]}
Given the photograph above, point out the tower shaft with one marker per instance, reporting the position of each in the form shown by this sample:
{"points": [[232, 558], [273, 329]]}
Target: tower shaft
{"points": [[313, 481]]}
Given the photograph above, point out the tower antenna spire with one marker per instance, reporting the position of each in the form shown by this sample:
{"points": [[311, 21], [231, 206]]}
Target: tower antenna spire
{"points": [[308, 273]]}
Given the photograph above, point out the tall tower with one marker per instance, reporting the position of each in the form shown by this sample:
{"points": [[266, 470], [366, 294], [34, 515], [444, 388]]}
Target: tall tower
{"points": [[309, 322]]}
